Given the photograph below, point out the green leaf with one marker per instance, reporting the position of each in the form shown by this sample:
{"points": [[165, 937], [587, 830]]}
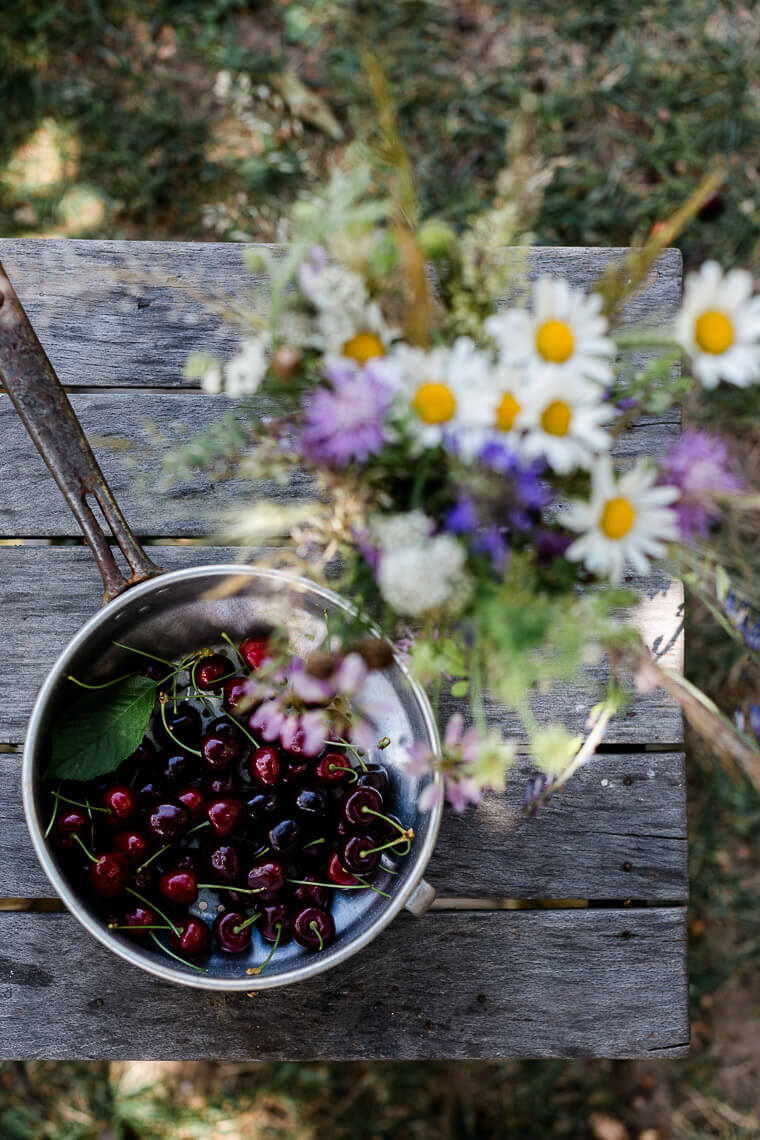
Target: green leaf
{"points": [[460, 689], [99, 730]]}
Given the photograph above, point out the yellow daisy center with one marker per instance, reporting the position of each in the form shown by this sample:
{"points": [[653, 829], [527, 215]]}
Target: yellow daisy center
{"points": [[434, 403], [714, 332], [363, 346], [617, 518], [507, 411], [556, 418], [555, 341]]}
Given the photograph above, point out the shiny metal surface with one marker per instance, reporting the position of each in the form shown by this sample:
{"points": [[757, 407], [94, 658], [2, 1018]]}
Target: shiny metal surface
{"points": [[179, 612]]}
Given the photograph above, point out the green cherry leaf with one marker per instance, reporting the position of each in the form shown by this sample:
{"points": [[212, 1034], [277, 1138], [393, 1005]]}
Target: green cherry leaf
{"points": [[99, 730]]}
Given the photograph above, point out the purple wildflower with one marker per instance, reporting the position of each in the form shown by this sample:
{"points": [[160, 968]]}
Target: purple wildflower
{"points": [[462, 517], [492, 542], [698, 464], [550, 544], [310, 271], [346, 421]]}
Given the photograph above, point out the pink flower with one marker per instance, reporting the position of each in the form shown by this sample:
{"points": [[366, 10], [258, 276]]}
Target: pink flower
{"points": [[268, 719], [462, 792]]}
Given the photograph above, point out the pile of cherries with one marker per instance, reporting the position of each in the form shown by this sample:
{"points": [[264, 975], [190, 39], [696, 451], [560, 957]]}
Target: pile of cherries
{"points": [[266, 833]]}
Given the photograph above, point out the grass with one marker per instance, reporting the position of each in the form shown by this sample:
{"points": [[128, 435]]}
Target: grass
{"points": [[110, 128]]}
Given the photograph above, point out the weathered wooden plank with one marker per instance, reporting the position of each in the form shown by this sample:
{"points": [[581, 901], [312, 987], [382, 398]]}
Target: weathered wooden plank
{"points": [[127, 313], [49, 592], [617, 831], [132, 434], [570, 983]]}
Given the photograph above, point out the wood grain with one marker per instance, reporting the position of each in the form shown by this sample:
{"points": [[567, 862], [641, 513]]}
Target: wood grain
{"points": [[125, 313], [455, 984], [50, 591], [617, 831]]}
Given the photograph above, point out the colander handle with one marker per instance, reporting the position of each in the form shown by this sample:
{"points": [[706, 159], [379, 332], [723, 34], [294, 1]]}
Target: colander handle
{"points": [[38, 396], [421, 899]]}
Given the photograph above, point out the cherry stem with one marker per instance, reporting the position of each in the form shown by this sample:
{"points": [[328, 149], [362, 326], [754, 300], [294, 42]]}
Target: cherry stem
{"points": [[163, 700], [260, 969], [130, 926], [89, 854], [333, 886], [227, 887], [166, 950], [166, 847], [78, 803], [226, 637], [338, 768], [355, 751], [248, 922], [49, 828], [142, 653], [375, 889], [313, 926], [385, 846], [314, 842], [196, 690], [105, 684], [245, 732], [407, 832], [147, 902]]}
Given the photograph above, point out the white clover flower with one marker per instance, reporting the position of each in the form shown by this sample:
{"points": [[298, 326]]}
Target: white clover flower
{"points": [[426, 576], [562, 420], [445, 394], [411, 528], [565, 335], [719, 326], [627, 520], [244, 372]]}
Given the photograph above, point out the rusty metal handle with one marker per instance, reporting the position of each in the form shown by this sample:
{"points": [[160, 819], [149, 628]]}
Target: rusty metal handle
{"points": [[32, 384]]}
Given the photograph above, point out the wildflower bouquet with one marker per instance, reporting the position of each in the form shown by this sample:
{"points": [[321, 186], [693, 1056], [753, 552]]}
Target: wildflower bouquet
{"points": [[464, 490]]}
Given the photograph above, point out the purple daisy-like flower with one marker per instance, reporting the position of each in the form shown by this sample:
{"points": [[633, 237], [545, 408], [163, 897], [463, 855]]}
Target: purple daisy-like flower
{"points": [[346, 421], [698, 464]]}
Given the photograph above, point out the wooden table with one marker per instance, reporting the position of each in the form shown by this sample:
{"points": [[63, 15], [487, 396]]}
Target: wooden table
{"points": [[599, 969]]}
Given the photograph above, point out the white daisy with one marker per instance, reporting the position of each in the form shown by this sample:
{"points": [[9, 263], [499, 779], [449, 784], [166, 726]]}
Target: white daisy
{"points": [[444, 393], [562, 420], [349, 324], [719, 326], [564, 335], [627, 520]]}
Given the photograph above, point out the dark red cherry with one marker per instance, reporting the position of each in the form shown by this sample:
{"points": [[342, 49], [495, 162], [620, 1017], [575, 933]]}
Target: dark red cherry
{"points": [[265, 765], [295, 768], [138, 916], [220, 786], [312, 893], [149, 792], [275, 919], [144, 756], [337, 873], [70, 821], [121, 803], [230, 933], [285, 837], [176, 767], [133, 845], [209, 673], [235, 695], [263, 806], [297, 746], [236, 900], [224, 864], [143, 881], [375, 776], [185, 726], [155, 671], [384, 830], [186, 861], [267, 878], [354, 854], [109, 873], [193, 800], [313, 928], [168, 821], [255, 651], [224, 725], [220, 750], [329, 769], [179, 886], [225, 815], [311, 805], [359, 805], [194, 938]]}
